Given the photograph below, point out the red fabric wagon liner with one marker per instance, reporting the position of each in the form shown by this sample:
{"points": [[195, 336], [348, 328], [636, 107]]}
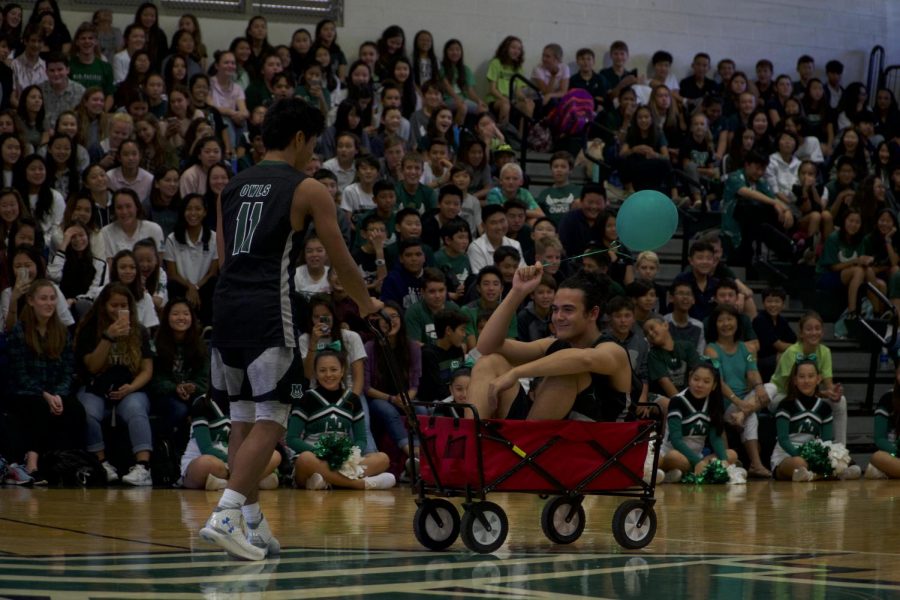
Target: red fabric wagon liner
{"points": [[578, 449]]}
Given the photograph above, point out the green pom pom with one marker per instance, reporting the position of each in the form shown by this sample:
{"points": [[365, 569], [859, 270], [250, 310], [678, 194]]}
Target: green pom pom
{"points": [[816, 457], [692, 479], [715, 472], [333, 448]]}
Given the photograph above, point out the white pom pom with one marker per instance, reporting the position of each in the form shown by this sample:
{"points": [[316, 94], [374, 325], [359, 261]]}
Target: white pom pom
{"points": [[736, 475], [352, 469], [838, 455]]}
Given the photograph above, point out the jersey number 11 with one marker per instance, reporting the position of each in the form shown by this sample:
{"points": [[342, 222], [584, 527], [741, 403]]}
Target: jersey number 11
{"points": [[248, 219]]}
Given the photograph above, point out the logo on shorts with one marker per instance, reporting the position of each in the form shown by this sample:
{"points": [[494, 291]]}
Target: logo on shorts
{"points": [[296, 391]]}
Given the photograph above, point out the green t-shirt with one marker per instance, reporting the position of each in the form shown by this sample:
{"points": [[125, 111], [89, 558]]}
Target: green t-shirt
{"points": [[501, 75], [302, 92], [423, 199], [673, 364], [257, 94], [837, 251], [789, 359], [734, 367], [557, 201], [420, 322], [472, 310], [458, 266], [495, 196], [730, 199], [97, 74], [453, 77]]}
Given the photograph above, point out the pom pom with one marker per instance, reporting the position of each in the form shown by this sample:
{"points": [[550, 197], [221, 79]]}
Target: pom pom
{"points": [[838, 455], [333, 448], [736, 475], [816, 456], [352, 469], [715, 472]]}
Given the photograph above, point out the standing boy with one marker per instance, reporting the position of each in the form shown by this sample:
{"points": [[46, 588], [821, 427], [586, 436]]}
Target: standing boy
{"points": [[258, 214]]}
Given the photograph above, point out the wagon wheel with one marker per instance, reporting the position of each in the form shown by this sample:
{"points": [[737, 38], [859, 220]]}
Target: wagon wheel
{"points": [[484, 527], [625, 524], [563, 520], [436, 524]]}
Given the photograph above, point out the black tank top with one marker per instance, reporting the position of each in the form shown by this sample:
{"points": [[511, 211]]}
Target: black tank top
{"points": [[253, 293], [599, 401]]}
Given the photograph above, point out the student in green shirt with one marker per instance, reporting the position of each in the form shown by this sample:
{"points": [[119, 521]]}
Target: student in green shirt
{"points": [[558, 199], [311, 88], [507, 62], [410, 191], [419, 317], [86, 65], [489, 284], [452, 257], [844, 262]]}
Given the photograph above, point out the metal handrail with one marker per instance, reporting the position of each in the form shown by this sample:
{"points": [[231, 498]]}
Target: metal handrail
{"points": [[875, 72], [527, 121], [880, 341]]}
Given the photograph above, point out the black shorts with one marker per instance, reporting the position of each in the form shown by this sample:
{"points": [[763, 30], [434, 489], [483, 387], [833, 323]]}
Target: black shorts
{"points": [[259, 374]]}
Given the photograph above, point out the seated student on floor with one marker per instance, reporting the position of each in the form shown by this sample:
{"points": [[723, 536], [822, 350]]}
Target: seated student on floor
{"points": [[332, 407], [801, 417], [695, 426], [811, 328], [584, 376], [204, 464], [884, 463], [43, 413]]}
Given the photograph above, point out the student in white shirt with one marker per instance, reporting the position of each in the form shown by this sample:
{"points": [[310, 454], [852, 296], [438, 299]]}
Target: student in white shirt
{"points": [[192, 262], [129, 226], [481, 251], [124, 269]]}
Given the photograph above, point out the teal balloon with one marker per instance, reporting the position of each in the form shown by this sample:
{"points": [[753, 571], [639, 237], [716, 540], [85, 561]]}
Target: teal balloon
{"points": [[647, 220]]}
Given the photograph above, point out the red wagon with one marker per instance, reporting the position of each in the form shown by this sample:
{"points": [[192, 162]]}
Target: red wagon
{"points": [[561, 460]]}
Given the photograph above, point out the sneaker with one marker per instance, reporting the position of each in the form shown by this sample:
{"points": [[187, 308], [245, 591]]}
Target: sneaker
{"points": [[227, 529], [873, 472], [802, 474], [111, 474], [316, 482], [138, 475], [17, 475], [260, 535], [384, 481], [38, 478], [850, 473], [673, 476]]}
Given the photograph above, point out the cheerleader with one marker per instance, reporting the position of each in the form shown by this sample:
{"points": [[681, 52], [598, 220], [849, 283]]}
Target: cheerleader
{"points": [[332, 408], [204, 464], [695, 424], [884, 463], [802, 417]]}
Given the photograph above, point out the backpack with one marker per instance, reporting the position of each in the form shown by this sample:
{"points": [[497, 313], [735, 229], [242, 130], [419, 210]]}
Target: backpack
{"points": [[72, 468], [572, 114]]}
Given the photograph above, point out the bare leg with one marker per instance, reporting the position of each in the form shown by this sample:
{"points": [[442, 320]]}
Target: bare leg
{"points": [[674, 459], [249, 452], [887, 464], [556, 395], [200, 468], [756, 466], [785, 470], [488, 368], [853, 278]]}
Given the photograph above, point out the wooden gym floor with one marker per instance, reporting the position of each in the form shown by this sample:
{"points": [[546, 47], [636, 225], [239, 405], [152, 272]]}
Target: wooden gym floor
{"points": [[764, 540]]}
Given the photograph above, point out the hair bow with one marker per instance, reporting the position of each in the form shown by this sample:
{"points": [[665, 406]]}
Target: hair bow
{"points": [[802, 358], [335, 345], [712, 362]]}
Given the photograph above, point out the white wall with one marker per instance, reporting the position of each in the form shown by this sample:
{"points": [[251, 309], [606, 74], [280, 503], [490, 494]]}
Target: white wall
{"points": [[744, 30]]}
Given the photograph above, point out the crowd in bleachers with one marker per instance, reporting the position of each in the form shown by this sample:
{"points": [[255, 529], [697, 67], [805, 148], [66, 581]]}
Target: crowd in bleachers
{"points": [[116, 144]]}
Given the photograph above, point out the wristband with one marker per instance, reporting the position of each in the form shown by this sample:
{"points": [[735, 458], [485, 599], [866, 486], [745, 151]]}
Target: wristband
{"points": [[108, 337], [379, 262]]}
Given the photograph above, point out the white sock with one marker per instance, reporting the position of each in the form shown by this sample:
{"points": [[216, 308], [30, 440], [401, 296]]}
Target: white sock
{"points": [[252, 512], [232, 499]]}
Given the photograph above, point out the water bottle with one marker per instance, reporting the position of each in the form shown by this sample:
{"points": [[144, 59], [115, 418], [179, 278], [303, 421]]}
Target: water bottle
{"points": [[884, 362]]}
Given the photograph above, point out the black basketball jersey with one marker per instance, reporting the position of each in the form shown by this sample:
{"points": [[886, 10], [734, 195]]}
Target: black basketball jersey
{"points": [[253, 293]]}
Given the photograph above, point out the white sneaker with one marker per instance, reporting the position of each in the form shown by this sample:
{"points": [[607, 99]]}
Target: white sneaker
{"points": [[227, 529], [316, 482], [802, 474], [214, 484], [111, 474], [260, 535], [384, 481], [673, 476], [850, 473], [138, 475], [269, 482], [873, 472]]}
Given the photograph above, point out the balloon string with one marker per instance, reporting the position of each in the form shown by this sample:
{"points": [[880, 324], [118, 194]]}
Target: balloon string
{"points": [[612, 248]]}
